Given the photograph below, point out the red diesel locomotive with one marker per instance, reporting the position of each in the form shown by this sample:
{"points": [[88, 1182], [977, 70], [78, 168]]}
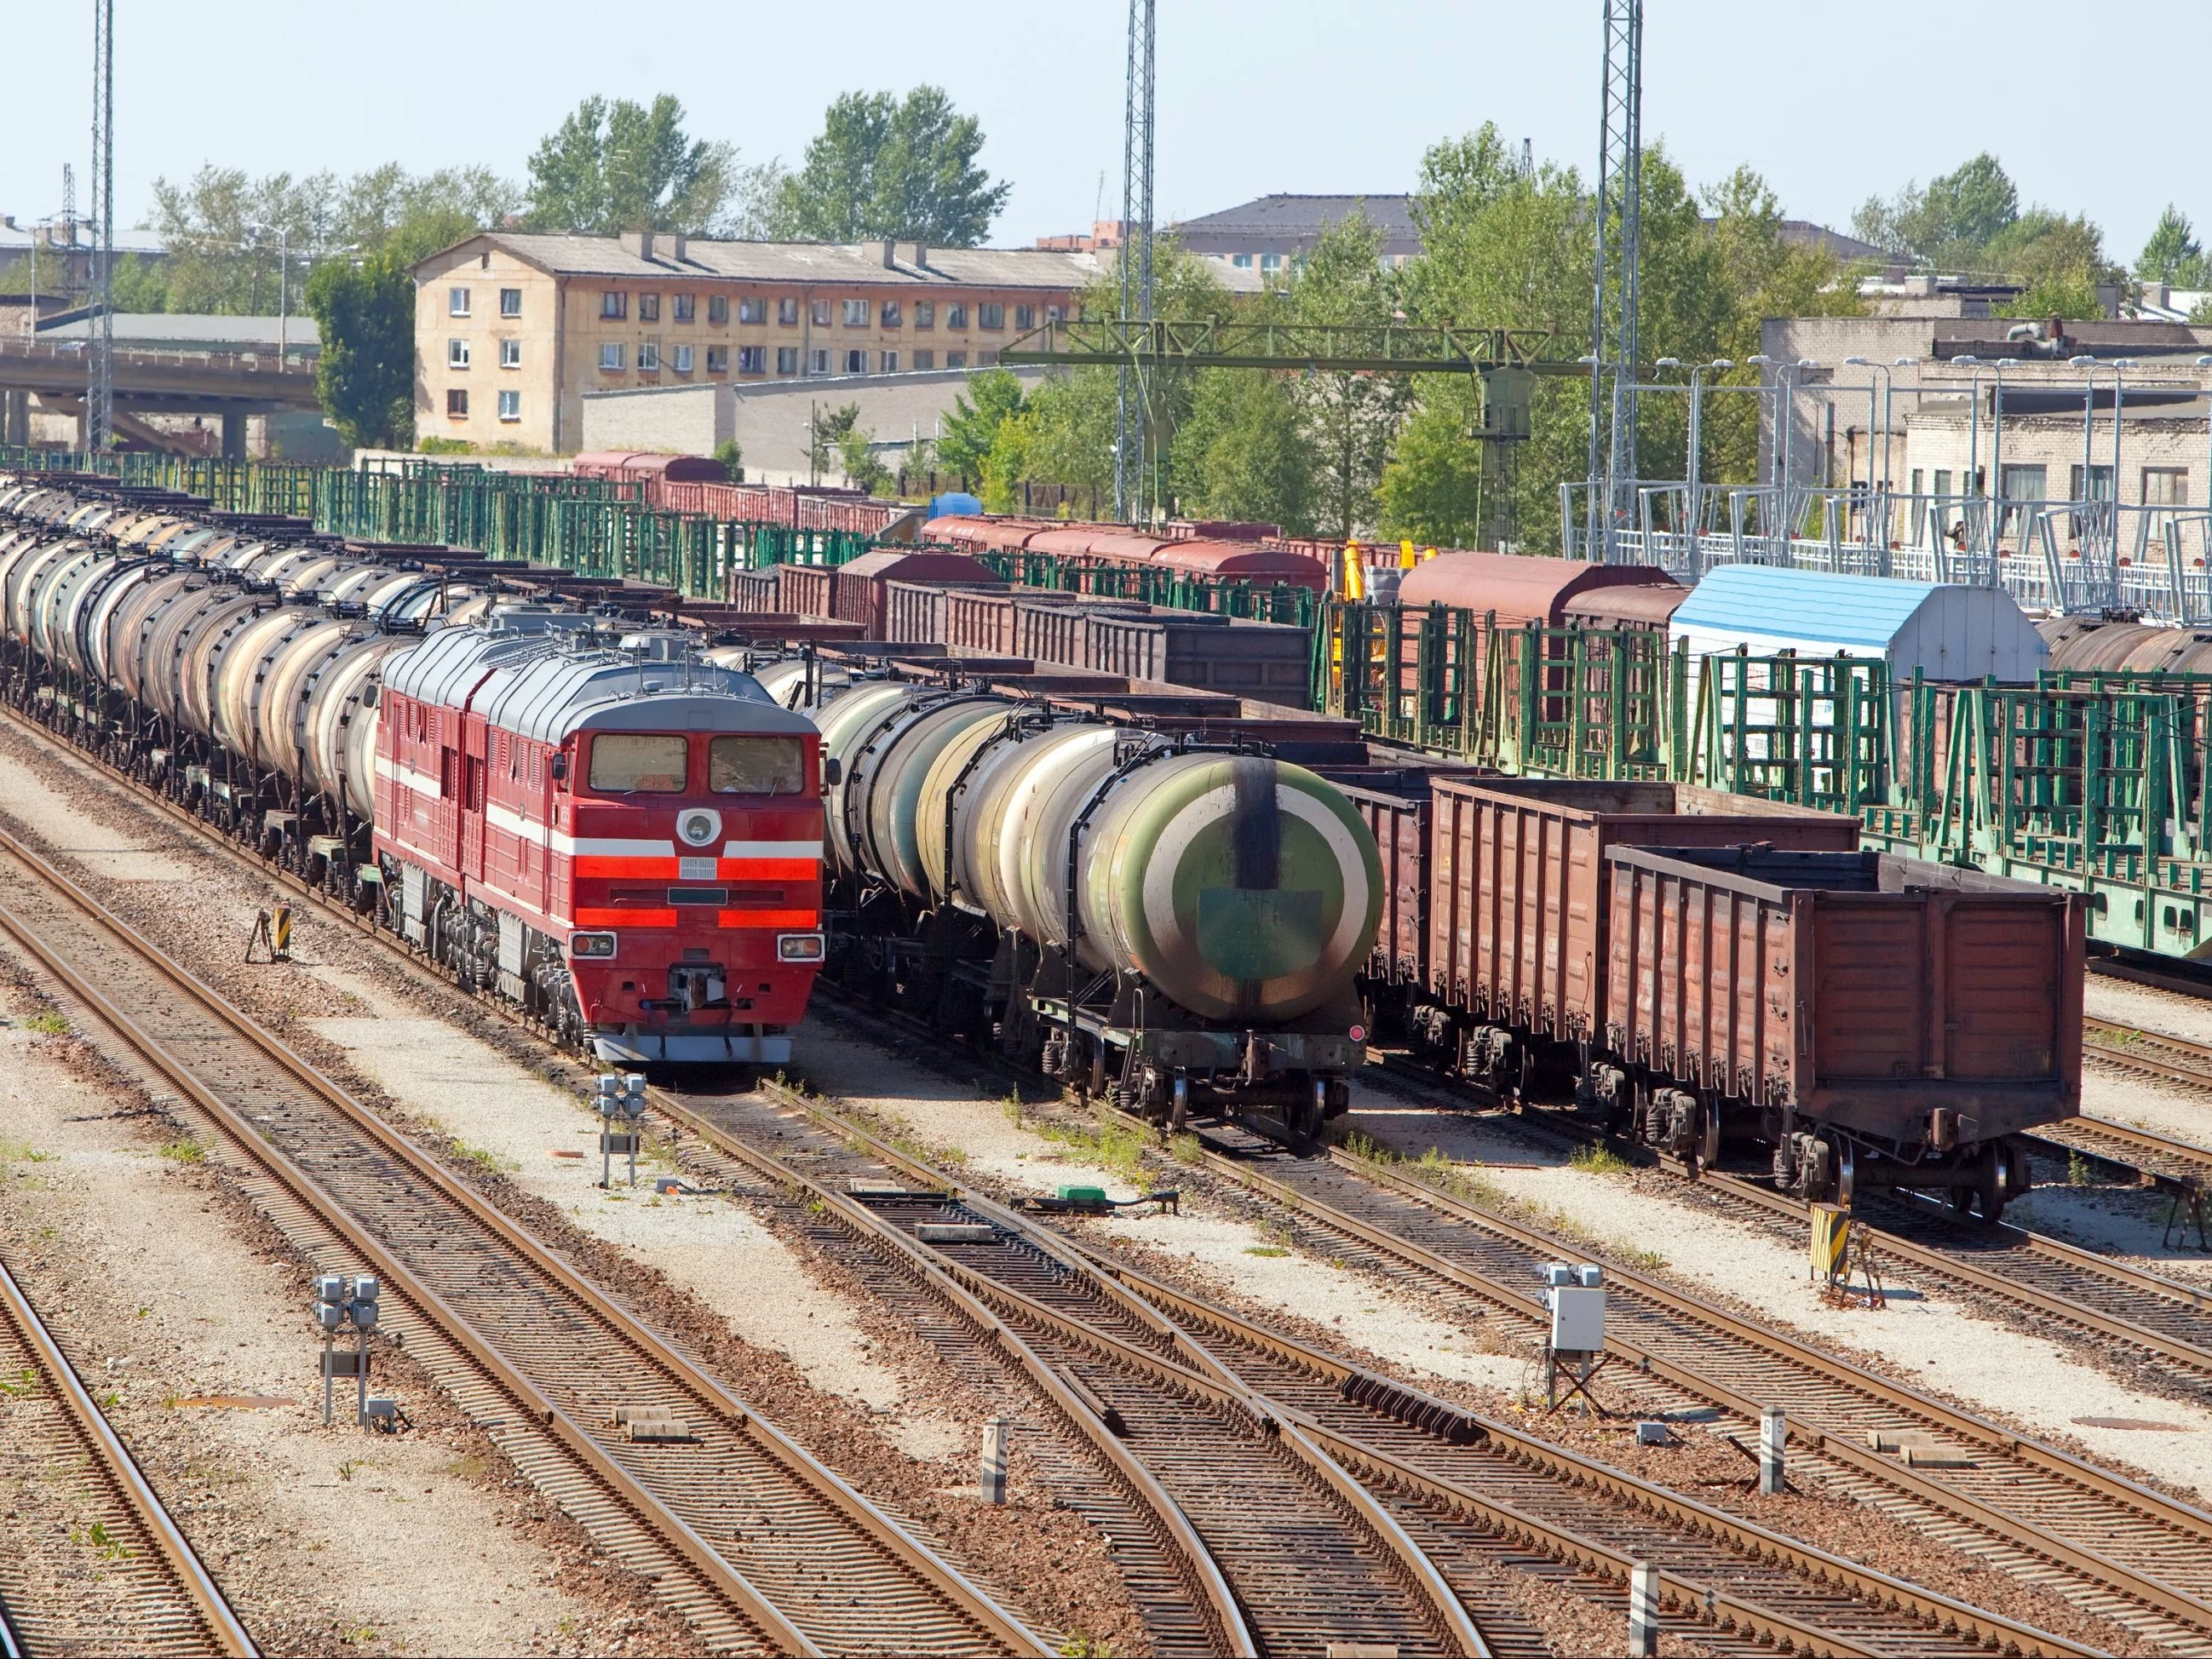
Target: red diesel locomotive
{"points": [[623, 838]]}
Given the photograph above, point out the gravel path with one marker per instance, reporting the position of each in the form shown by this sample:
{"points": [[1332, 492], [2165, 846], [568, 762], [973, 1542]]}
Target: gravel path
{"points": [[1928, 1340], [172, 1303], [2126, 1003]]}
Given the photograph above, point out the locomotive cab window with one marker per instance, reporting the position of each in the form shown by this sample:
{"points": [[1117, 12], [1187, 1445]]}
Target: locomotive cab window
{"points": [[625, 764], [756, 766]]}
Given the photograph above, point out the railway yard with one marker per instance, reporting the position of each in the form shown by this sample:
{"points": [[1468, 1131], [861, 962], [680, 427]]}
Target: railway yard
{"points": [[1016, 1299]]}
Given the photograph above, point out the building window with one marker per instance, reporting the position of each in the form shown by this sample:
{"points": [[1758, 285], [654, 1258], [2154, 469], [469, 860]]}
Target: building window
{"points": [[1056, 313], [1241, 261], [856, 363], [718, 359], [610, 357], [457, 354], [2096, 487], [2165, 486], [456, 302], [818, 360], [986, 359], [1026, 317], [889, 364], [614, 304], [456, 402], [2026, 483], [686, 307], [925, 313], [1942, 481], [1271, 262], [956, 360], [856, 313], [683, 360], [649, 308], [510, 354], [648, 357], [956, 316], [752, 360], [819, 311], [786, 312], [718, 308], [510, 303], [510, 405], [888, 317], [752, 310], [990, 315], [924, 360], [786, 360]]}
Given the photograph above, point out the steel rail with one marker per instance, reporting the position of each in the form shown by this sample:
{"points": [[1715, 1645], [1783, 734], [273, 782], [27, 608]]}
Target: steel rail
{"points": [[2093, 1563], [193, 1584], [1687, 1596], [1208, 1586], [834, 1494]]}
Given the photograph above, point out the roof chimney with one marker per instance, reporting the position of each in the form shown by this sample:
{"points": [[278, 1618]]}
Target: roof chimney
{"points": [[891, 253], [921, 256], [639, 242], [676, 245]]}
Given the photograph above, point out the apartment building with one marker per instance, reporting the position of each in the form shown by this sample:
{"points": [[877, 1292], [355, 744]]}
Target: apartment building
{"points": [[513, 330]]}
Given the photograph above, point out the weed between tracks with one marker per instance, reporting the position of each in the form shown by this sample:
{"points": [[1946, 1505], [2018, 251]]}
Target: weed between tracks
{"points": [[1108, 1144], [184, 1150], [48, 1025]]}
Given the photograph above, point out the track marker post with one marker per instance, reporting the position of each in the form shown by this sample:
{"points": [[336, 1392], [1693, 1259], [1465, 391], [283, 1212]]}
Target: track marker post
{"points": [[992, 1487], [1643, 1610], [1773, 1436]]}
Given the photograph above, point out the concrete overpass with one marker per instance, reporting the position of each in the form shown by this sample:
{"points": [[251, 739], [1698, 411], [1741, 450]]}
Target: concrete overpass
{"points": [[162, 368]]}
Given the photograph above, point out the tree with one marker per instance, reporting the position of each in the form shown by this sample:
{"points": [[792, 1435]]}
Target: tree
{"points": [[365, 374], [626, 165], [1432, 491], [992, 397], [1952, 222], [1242, 452], [141, 285], [1348, 420], [2172, 255], [885, 168], [732, 461]]}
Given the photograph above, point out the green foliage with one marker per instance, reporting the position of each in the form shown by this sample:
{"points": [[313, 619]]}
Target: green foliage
{"points": [[365, 374], [222, 228], [1595, 1157], [2173, 254], [992, 397], [1951, 223], [434, 445], [141, 285], [1242, 452], [827, 428], [625, 165], [1432, 492], [883, 168], [732, 459], [184, 1149], [48, 1025], [863, 468], [1348, 420]]}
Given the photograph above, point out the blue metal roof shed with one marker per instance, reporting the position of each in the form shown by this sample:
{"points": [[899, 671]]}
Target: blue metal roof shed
{"points": [[1946, 633]]}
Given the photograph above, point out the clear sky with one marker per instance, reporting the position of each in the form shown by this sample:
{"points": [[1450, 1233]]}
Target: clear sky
{"points": [[2089, 112]]}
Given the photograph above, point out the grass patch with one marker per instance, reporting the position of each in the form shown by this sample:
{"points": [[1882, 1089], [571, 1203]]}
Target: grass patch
{"points": [[97, 1538], [1265, 1250], [1011, 1106], [484, 1158], [25, 1381], [1595, 1157], [184, 1150], [1187, 1149], [1108, 1144], [48, 1025], [21, 1151], [2077, 1170]]}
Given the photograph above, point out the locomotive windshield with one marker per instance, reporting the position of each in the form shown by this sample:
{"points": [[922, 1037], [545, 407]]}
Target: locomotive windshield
{"points": [[625, 764], [756, 766]]}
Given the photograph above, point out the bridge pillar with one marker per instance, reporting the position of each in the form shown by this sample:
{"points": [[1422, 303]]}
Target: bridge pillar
{"points": [[234, 435], [15, 419]]}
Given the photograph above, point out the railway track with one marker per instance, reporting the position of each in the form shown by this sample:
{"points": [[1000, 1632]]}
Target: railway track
{"points": [[2176, 1617], [154, 1596], [2176, 1166], [743, 1533], [1477, 1499]]}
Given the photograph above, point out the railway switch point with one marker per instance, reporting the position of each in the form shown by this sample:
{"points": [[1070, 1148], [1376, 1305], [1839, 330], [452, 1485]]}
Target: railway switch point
{"points": [[1773, 1435], [991, 1487], [620, 1100], [1574, 1347], [344, 1304], [1643, 1610]]}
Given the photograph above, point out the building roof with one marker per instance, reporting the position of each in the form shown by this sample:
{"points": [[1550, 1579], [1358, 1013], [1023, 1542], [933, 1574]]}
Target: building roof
{"points": [[17, 238], [849, 264], [1948, 632], [1290, 218], [1803, 233], [188, 330]]}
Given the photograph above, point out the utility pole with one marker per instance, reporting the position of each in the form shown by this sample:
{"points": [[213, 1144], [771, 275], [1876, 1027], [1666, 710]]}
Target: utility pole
{"points": [[1131, 402], [100, 363], [1613, 298]]}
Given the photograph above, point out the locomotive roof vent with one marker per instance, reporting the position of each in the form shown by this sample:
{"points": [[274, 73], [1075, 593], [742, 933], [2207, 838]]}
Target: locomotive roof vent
{"points": [[536, 619], [661, 645]]}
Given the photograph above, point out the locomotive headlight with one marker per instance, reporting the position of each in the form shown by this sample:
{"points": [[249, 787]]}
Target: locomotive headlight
{"points": [[599, 946], [799, 947]]}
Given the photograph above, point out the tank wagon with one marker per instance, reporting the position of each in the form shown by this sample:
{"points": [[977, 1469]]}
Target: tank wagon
{"points": [[1175, 925], [573, 813]]}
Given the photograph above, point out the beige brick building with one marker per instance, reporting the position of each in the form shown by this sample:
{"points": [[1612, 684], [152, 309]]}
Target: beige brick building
{"points": [[512, 329]]}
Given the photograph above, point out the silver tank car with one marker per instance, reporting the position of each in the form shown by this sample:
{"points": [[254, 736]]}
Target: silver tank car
{"points": [[1164, 916]]}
